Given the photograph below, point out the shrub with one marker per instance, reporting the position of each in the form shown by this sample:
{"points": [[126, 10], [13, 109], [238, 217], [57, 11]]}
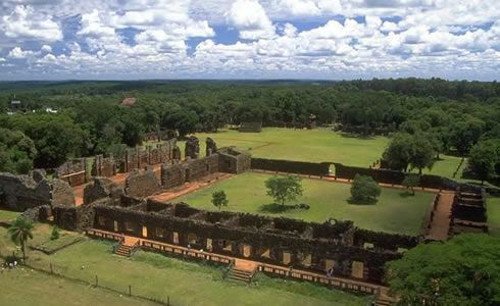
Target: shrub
{"points": [[55, 233], [364, 189], [411, 181]]}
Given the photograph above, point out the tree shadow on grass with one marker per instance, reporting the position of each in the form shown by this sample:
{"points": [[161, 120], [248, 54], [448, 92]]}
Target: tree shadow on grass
{"points": [[362, 202], [357, 136], [406, 194]]}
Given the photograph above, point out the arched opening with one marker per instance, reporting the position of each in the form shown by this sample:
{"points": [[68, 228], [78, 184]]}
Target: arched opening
{"points": [[331, 170]]}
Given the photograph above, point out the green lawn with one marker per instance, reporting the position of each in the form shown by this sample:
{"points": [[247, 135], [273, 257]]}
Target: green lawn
{"points": [[157, 276], [494, 215], [394, 211], [7, 215], [318, 145], [27, 287]]}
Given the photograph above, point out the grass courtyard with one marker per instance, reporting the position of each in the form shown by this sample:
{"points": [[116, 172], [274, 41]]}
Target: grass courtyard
{"points": [[493, 211], [394, 212], [318, 145], [156, 276], [44, 289]]}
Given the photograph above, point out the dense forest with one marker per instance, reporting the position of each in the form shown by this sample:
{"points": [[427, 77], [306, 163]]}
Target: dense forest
{"points": [[425, 117]]}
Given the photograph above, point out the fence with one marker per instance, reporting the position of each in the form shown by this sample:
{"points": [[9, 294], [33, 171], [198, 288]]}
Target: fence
{"points": [[56, 271]]}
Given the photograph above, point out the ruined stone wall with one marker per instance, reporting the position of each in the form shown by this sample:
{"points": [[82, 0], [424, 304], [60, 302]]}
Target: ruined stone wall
{"points": [[104, 166], [232, 161], [74, 218], [177, 174], [73, 171], [131, 160], [279, 241], [141, 183], [100, 188], [19, 192], [62, 193]]}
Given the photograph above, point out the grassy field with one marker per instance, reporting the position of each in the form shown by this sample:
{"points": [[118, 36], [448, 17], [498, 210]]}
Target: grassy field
{"points": [[7, 215], [318, 145], [157, 276], [494, 215], [394, 212], [27, 287]]}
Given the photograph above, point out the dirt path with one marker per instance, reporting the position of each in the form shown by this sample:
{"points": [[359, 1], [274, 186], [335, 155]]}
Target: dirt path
{"points": [[441, 221], [191, 187]]}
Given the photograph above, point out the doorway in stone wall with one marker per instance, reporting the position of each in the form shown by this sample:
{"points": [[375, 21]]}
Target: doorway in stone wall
{"points": [[331, 170], [246, 250], [187, 175]]}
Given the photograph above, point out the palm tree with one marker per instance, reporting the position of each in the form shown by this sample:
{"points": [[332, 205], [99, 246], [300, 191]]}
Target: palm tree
{"points": [[20, 231]]}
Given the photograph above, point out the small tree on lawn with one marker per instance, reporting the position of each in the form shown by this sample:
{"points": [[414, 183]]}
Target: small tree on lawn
{"points": [[55, 233], [20, 232], [219, 199], [364, 189], [410, 182], [284, 188]]}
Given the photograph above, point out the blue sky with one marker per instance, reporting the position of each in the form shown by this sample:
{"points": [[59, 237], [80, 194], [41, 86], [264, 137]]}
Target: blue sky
{"points": [[254, 39]]}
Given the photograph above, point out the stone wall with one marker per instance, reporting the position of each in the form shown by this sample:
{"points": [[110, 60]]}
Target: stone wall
{"points": [[233, 161], [299, 167], [190, 170], [337, 246], [62, 193], [104, 166], [142, 183], [251, 127], [20, 192], [73, 171], [100, 188]]}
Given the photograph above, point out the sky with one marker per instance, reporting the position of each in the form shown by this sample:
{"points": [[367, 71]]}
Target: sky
{"points": [[249, 39]]}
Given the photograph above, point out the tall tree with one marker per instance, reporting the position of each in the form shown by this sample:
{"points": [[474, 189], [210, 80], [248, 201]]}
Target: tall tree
{"points": [[284, 188], [484, 156], [399, 152], [422, 153]]}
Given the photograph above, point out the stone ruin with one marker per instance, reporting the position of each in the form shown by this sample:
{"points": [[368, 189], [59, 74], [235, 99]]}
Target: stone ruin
{"points": [[211, 147], [337, 246], [21, 192], [192, 149], [100, 188], [142, 183]]}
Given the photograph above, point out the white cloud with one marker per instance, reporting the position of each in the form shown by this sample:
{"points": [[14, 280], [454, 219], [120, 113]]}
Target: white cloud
{"points": [[92, 25], [25, 23], [46, 49], [395, 38], [18, 53], [250, 18]]}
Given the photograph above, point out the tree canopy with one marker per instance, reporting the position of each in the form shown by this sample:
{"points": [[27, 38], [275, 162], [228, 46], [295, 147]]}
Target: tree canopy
{"points": [[284, 188], [462, 271]]}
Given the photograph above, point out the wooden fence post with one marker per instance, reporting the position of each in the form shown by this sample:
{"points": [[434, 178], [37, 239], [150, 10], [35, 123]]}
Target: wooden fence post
{"points": [[168, 300], [96, 281], [51, 270], [129, 290]]}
